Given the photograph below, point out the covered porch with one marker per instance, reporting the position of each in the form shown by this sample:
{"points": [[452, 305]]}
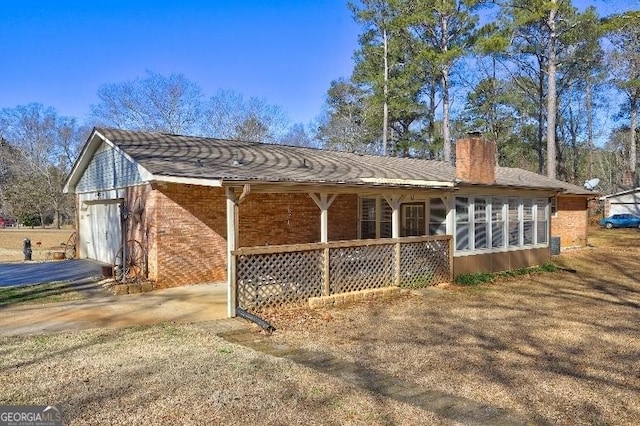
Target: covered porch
{"points": [[402, 239]]}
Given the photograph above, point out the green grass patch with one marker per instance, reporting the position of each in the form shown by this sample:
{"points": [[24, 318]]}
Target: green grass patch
{"points": [[39, 293], [479, 278]]}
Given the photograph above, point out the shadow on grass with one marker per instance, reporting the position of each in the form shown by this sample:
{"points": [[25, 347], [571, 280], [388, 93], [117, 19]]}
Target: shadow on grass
{"points": [[41, 293]]}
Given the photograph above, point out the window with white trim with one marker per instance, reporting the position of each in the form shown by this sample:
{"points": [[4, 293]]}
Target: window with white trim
{"points": [[542, 221], [437, 217], [462, 223], [497, 223], [527, 222], [374, 218], [480, 223], [513, 220], [367, 218]]}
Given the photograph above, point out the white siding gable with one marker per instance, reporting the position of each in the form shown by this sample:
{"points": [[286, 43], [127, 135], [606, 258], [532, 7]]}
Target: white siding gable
{"points": [[108, 169]]}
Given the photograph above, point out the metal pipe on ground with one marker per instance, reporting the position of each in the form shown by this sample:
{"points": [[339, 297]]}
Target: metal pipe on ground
{"points": [[256, 319]]}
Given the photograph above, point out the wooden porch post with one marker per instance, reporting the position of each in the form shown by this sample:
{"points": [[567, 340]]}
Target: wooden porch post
{"points": [[449, 202], [395, 201], [323, 201], [232, 244]]}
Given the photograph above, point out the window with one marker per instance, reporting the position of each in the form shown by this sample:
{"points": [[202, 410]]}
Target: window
{"points": [[412, 220], [542, 221], [367, 218], [527, 222], [385, 219], [480, 226], [497, 222], [437, 217], [462, 223], [514, 222], [375, 218]]}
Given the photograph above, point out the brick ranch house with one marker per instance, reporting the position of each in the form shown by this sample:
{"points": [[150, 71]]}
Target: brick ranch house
{"points": [[209, 210]]}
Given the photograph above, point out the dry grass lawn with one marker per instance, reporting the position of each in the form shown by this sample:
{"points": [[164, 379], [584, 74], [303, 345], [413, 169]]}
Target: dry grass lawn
{"points": [[11, 242], [557, 348]]}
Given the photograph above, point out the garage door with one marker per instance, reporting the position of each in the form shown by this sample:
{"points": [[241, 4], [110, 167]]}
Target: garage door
{"points": [[622, 208], [100, 233]]}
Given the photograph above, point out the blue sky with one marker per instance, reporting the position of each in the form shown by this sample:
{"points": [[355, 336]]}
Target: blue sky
{"points": [[59, 52]]}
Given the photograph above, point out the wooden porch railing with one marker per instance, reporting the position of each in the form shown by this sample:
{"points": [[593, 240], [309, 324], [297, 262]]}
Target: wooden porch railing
{"points": [[273, 276]]}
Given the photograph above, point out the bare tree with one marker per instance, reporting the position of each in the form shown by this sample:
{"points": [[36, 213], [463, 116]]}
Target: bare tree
{"points": [[171, 104], [228, 115], [38, 151]]}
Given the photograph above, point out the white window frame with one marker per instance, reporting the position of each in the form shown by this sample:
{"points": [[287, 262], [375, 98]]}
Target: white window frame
{"points": [[378, 208], [489, 204]]}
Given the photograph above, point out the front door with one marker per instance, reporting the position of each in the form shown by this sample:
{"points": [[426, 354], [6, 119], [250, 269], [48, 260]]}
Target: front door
{"points": [[412, 220]]}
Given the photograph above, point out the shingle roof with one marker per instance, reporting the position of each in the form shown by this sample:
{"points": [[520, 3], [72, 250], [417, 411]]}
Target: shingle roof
{"points": [[231, 160], [627, 191]]}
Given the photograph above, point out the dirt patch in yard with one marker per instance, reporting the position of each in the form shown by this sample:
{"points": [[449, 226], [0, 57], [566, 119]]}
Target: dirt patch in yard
{"points": [[11, 242], [555, 348]]}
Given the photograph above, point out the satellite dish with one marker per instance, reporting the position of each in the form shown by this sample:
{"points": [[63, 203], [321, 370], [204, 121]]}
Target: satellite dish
{"points": [[591, 183]]}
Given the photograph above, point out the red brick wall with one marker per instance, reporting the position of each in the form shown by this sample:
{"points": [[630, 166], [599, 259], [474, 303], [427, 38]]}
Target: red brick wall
{"points": [[294, 219], [343, 218], [185, 228], [190, 234], [571, 221]]}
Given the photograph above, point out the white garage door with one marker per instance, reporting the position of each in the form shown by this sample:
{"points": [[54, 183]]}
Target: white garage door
{"points": [[622, 208], [100, 233]]}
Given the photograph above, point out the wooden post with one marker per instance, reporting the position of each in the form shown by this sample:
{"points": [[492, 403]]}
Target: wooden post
{"points": [[232, 244], [398, 275], [323, 201], [451, 259], [325, 273], [395, 201], [449, 202]]}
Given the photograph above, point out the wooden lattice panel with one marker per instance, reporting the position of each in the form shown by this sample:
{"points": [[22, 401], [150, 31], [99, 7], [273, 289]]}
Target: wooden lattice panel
{"points": [[359, 268], [275, 279], [423, 264]]}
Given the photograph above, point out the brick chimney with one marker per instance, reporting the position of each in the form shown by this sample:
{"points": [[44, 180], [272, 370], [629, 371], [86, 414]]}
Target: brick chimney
{"points": [[628, 179], [476, 160]]}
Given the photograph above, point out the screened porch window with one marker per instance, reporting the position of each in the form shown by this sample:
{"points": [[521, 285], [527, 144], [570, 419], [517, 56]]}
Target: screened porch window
{"points": [[527, 222], [514, 222], [437, 217], [497, 222], [542, 221], [486, 223], [462, 223], [480, 225]]}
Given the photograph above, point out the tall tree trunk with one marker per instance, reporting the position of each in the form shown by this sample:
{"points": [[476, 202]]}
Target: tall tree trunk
{"points": [[446, 137], [539, 147], [589, 109], [551, 94], [385, 108], [633, 162]]}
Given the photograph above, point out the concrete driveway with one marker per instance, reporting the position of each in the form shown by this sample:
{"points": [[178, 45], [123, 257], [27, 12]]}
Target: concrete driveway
{"points": [[27, 273], [196, 303]]}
